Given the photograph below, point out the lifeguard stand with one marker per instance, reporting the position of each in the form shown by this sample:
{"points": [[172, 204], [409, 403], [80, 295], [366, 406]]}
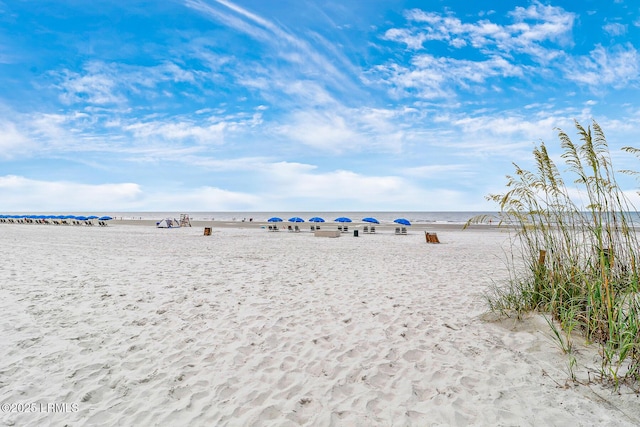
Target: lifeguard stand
{"points": [[184, 220]]}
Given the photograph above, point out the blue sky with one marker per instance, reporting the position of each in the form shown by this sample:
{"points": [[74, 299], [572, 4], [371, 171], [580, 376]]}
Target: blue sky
{"points": [[297, 105]]}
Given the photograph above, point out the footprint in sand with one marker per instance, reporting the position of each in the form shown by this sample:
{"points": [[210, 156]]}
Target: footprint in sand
{"points": [[413, 355]]}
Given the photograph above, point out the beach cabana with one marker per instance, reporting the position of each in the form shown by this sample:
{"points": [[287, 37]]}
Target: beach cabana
{"points": [[316, 219], [342, 220], [102, 221], [168, 223], [402, 221], [295, 219], [274, 219], [369, 220]]}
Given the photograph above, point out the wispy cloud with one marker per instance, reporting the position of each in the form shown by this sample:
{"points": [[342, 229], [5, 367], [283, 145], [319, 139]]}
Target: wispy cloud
{"points": [[301, 56], [431, 77], [537, 34], [615, 29], [616, 67], [345, 130], [13, 142], [107, 83], [531, 27]]}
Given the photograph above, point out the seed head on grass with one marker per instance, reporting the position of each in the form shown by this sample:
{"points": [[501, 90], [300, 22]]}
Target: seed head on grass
{"points": [[587, 279]]}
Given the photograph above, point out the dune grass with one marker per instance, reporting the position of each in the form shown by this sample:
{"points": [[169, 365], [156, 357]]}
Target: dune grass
{"points": [[575, 251]]}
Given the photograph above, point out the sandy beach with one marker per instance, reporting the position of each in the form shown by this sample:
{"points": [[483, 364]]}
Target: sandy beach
{"points": [[133, 325]]}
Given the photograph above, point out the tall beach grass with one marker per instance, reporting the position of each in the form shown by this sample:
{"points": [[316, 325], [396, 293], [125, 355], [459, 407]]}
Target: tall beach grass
{"points": [[575, 251]]}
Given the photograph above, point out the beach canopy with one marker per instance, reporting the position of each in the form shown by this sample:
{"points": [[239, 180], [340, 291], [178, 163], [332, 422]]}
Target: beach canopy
{"points": [[296, 219], [402, 221], [168, 223], [274, 219], [316, 219], [342, 219], [371, 220]]}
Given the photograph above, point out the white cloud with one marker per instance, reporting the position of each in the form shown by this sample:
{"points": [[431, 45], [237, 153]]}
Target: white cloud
{"points": [[204, 199], [343, 130], [616, 66], [91, 88], [178, 131], [13, 142], [296, 51], [431, 77], [440, 172], [538, 34], [105, 84], [615, 29], [406, 36], [532, 26], [27, 195]]}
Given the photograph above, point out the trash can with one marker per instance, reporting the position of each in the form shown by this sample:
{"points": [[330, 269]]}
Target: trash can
{"points": [[355, 233]]}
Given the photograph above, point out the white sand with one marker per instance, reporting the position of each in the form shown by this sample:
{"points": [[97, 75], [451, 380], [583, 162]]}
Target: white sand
{"points": [[141, 326]]}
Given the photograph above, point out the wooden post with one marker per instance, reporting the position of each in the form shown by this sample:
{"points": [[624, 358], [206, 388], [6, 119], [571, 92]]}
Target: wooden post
{"points": [[543, 255]]}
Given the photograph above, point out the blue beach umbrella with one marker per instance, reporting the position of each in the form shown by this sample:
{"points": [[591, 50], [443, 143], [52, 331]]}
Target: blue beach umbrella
{"points": [[105, 218], [342, 219], [274, 219], [402, 221], [371, 220], [316, 219], [296, 219]]}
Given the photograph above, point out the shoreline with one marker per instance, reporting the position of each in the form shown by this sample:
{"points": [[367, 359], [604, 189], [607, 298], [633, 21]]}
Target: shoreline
{"points": [[305, 226]]}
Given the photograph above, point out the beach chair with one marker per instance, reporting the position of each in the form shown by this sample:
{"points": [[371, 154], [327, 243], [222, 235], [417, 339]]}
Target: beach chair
{"points": [[403, 230], [313, 228], [397, 230], [317, 227], [431, 237], [365, 229], [289, 228], [340, 228], [373, 229], [296, 229], [346, 229]]}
